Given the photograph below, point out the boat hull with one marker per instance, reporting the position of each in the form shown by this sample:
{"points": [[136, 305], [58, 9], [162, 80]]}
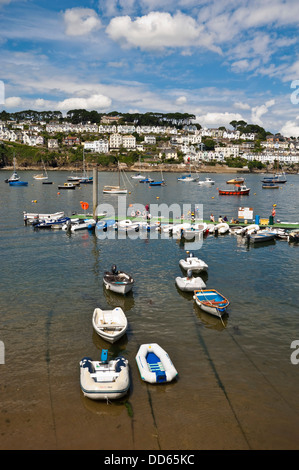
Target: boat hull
{"points": [[104, 380], [235, 181], [263, 236], [154, 364], [18, 183], [224, 192]]}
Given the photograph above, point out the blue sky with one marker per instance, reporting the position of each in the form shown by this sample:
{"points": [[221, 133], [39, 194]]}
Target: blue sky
{"points": [[219, 60]]}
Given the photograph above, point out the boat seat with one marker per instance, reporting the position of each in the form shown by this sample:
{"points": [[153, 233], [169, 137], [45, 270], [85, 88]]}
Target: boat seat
{"points": [[207, 302]]}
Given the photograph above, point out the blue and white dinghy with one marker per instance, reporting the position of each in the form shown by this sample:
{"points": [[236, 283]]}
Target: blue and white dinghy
{"points": [[154, 364], [104, 379], [211, 301]]}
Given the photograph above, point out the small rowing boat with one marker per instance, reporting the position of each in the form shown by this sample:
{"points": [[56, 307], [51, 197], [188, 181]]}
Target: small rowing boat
{"points": [[111, 325], [211, 301]]}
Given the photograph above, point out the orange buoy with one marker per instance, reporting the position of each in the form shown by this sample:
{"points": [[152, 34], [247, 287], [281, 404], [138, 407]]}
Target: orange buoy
{"points": [[84, 205]]}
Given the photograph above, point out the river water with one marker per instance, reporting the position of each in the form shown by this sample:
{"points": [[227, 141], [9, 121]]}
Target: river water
{"points": [[237, 385]]}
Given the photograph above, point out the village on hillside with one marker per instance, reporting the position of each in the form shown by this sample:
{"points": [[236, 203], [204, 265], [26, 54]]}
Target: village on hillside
{"points": [[60, 141]]}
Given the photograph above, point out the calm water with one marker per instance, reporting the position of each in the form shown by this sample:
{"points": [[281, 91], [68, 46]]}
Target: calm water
{"points": [[237, 387]]}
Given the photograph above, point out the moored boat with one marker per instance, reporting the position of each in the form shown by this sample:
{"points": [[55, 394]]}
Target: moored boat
{"points": [[157, 183], [211, 301], [193, 263], [293, 237], [240, 190], [114, 190], [67, 185], [189, 283], [238, 180], [270, 186], [138, 177], [31, 217], [262, 236], [51, 223], [75, 224], [146, 180], [207, 181], [118, 281], [154, 364], [104, 379], [187, 178], [18, 183], [14, 176], [111, 325]]}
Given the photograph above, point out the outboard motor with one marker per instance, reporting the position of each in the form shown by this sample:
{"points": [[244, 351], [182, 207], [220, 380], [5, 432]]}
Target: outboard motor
{"points": [[189, 273]]}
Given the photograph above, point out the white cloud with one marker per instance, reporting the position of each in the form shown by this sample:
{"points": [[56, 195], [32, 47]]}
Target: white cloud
{"points": [[290, 128], [92, 102], [159, 30], [218, 119], [258, 111], [13, 102], [241, 105], [81, 21], [181, 100]]}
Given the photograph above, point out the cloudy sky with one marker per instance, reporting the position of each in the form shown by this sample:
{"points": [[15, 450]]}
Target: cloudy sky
{"points": [[217, 59]]}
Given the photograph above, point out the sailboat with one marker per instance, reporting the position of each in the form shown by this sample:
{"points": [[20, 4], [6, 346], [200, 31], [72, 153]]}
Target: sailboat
{"points": [[115, 189], [84, 178], [158, 183], [42, 176], [277, 178], [14, 176], [188, 178], [139, 176]]}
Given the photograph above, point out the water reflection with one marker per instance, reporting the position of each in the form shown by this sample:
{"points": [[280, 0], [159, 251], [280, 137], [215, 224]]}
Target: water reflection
{"points": [[210, 321], [126, 302]]}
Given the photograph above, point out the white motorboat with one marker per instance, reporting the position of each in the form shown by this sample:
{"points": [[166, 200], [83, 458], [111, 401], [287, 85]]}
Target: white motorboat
{"points": [[104, 379], [154, 364], [189, 283], [73, 225], [127, 225], [138, 177], [67, 185], [175, 228], [207, 181], [111, 325], [31, 217], [195, 229], [118, 281], [221, 228], [193, 263]]}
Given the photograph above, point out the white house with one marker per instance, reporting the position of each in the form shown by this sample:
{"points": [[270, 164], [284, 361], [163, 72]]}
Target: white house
{"points": [[99, 146], [115, 141], [129, 142], [230, 151], [150, 139]]}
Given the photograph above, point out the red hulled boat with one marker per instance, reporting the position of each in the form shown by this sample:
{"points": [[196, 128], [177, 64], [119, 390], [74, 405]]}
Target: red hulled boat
{"points": [[238, 191]]}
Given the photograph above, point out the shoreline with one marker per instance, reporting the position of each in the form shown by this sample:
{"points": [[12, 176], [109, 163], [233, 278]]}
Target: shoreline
{"points": [[145, 167]]}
